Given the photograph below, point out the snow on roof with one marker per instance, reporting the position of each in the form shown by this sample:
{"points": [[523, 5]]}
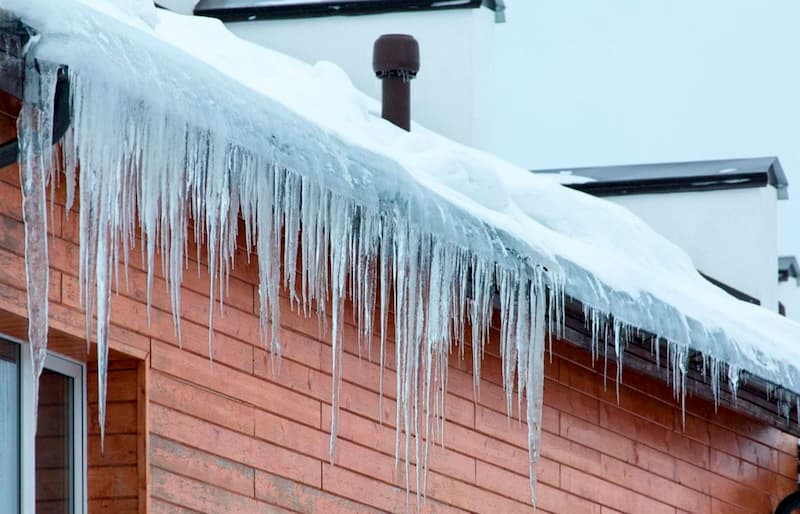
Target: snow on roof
{"points": [[211, 125]]}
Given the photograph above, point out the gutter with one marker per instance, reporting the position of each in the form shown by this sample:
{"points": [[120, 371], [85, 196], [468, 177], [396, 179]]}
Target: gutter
{"points": [[12, 80]]}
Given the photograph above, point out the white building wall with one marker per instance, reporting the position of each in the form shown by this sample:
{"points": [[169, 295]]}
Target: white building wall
{"points": [[454, 93], [789, 296], [731, 235]]}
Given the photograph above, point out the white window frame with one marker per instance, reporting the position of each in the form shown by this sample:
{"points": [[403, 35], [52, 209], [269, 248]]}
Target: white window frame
{"points": [[77, 371]]}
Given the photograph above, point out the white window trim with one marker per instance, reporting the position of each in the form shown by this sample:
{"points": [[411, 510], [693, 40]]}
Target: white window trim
{"points": [[76, 370]]}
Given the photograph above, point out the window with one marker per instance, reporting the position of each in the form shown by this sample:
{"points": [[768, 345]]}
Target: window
{"points": [[45, 473]]}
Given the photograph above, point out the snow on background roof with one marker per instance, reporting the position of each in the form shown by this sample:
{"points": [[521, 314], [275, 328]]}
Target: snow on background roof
{"points": [[149, 86]]}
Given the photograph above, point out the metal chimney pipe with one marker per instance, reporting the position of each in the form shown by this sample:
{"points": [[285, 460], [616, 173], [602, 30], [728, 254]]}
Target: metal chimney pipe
{"points": [[395, 60]]}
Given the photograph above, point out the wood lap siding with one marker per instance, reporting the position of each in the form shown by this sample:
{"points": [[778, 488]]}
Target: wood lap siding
{"points": [[226, 436], [231, 436], [52, 458], [113, 473]]}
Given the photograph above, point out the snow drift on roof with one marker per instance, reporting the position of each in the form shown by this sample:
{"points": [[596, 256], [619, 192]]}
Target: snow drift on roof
{"points": [[177, 123]]}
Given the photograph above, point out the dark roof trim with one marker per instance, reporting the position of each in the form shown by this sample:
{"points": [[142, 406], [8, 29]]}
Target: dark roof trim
{"points": [[680, 177], [788, 267], [671, 185], [732, 290], [250, 10]]}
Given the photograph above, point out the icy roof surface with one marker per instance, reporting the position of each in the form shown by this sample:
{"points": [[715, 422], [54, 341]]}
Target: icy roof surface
{"points": [[611, 260]]}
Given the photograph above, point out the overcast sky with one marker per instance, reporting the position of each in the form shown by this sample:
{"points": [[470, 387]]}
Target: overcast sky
{"points": [[591, 82]]}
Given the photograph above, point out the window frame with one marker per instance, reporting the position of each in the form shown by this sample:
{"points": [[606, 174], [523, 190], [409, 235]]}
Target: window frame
{"points": [[27, 441]]}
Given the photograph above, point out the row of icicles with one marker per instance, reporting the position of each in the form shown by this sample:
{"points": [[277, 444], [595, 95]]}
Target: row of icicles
{"points": [[141, 170]]}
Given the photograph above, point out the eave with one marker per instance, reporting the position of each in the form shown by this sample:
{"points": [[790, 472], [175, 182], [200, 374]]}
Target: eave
{"points": [[679, 177], [251, 11]]}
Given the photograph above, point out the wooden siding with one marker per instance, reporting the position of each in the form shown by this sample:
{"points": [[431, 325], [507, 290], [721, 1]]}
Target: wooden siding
{"points": [[230, 436], [113, 472]]}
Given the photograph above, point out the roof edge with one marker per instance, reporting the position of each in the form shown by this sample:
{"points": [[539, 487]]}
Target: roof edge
{"points": [[342, 8], [772, 175], [672, 185], [736, 293]]}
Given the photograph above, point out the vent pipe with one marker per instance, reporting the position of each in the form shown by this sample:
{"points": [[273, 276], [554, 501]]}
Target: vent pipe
{"points": [[395, 60]]}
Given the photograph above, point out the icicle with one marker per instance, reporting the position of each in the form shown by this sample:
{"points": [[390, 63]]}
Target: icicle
{"points": [[715, 382], [733, 381], [784, 406], [341, 226], [384, 312], [535, 380], [618, 352], [35, 126], [797, 406]]}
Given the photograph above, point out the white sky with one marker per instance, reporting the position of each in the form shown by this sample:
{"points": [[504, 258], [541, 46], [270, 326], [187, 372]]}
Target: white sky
{"points": [[593, 82]]}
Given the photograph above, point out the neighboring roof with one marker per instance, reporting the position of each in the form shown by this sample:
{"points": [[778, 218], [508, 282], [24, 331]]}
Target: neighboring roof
{"points": [[248, 10], [673, 177], [788, 267]]}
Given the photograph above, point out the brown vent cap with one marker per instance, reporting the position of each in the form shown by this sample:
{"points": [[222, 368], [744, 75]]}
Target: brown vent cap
{"points": [[396, 55]]}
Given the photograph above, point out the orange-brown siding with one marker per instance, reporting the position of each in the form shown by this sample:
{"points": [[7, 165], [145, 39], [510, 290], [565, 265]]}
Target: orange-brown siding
{"points": [[234, 437], [113, 472]]}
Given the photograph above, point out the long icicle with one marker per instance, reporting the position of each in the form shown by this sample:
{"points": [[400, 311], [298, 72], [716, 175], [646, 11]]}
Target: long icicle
{"points": [[35, 126]]}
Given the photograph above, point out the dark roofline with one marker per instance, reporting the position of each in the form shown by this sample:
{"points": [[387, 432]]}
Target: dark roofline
{"points": [[770, 173], [788, 267], [671, 185], [302, 9], [739, 295], [736, 293]]}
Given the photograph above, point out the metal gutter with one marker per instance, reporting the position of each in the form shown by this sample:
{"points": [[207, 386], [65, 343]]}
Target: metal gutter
{"points": [[12, 77]]}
